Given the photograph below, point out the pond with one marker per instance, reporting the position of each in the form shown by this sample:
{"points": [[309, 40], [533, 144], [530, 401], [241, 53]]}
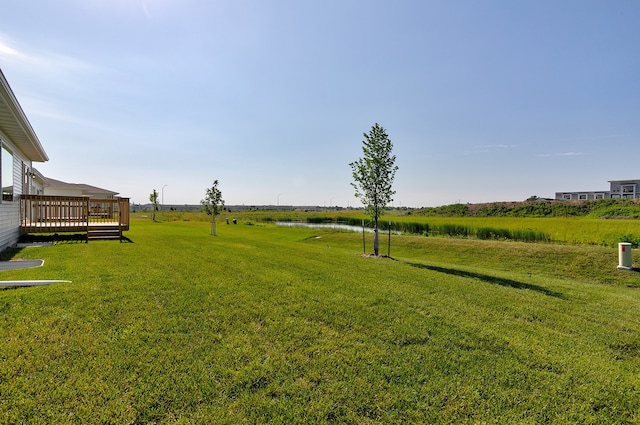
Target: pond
{"points": [[336, 226]]}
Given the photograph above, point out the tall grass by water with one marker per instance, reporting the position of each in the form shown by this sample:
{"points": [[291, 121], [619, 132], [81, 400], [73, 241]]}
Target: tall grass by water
{"points": [[564, 230], [287, 325]]}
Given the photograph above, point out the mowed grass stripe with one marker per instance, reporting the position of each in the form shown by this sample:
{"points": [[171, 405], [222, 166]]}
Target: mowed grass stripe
{"points": [[264, 324]]}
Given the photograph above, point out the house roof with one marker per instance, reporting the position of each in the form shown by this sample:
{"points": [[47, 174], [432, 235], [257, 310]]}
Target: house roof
{"points": [[631, 181], [14, 123], [84, 188]]}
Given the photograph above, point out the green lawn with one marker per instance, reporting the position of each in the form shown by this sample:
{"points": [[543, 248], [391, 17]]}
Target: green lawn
{"points": [[276, 325]]}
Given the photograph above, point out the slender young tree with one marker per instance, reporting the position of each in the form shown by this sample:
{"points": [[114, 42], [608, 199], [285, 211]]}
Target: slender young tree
{"points": [[153, 198], [373, 175], [213, 204]]}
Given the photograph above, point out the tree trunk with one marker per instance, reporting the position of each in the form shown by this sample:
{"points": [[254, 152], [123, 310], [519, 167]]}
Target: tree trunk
{"points": [[213, 225], [375, 237]]}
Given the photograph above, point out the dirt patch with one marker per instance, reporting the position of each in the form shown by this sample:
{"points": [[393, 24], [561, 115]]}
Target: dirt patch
{"points": [[377, 257]]}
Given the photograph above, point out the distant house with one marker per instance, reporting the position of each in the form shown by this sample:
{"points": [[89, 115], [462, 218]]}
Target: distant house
{"points": [[52, 187], [617, 189], [583, 195], [19, 148], [625, 188]]}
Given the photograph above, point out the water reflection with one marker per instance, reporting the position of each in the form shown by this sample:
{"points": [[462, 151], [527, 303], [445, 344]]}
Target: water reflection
{"points": [[336, 226]]}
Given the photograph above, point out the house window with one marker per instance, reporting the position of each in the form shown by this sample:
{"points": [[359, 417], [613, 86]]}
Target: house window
{"points": [[582, 196], [599, 196], [629, 189], [566, 196], [6, 174]]}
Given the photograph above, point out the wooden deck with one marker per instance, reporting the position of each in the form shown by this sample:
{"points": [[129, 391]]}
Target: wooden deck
{"points": [[57, 214]]}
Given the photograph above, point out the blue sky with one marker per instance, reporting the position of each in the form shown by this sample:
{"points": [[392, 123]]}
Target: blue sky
{"points": [[483, 100]]}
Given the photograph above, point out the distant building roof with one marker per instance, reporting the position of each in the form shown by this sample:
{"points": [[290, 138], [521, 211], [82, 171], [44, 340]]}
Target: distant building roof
{"points": [[85, 189], [625, 181]]}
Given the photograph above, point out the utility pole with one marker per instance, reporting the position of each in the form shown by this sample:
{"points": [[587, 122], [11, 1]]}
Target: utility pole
{"points": [[162, 207]]}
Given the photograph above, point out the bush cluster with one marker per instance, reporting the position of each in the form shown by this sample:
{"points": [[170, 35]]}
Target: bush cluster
{"points": [[601, 208], [634, 240]]}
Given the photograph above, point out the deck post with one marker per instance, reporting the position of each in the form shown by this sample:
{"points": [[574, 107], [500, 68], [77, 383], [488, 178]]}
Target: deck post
{"points": [[87, 214]]}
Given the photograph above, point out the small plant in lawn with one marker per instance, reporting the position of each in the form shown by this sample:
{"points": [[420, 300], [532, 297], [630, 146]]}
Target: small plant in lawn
{"points": [[153, 198], [213, 204]]}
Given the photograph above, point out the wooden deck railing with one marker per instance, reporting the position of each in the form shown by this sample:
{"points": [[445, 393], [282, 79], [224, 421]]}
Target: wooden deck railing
{"points": [[49, 214]]}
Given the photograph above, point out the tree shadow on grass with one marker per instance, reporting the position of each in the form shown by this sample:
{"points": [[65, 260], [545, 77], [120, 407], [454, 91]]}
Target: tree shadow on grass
{"points": [[492, 279]]}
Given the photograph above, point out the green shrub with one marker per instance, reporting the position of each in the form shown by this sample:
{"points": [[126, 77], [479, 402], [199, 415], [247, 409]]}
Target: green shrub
{"points": [[629, 208], [634, 240], [455, 210]]}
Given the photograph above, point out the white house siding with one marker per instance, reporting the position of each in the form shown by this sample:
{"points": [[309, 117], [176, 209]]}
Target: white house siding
{"points": [[10, 210]]}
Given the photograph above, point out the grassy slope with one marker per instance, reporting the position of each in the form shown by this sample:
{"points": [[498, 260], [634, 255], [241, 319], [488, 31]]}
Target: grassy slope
{"points": [[265, 324]]}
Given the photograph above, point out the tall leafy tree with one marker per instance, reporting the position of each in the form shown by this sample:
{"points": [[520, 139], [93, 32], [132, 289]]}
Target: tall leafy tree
{"points": [[213, 204], [153, 198], [373, 175]]}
